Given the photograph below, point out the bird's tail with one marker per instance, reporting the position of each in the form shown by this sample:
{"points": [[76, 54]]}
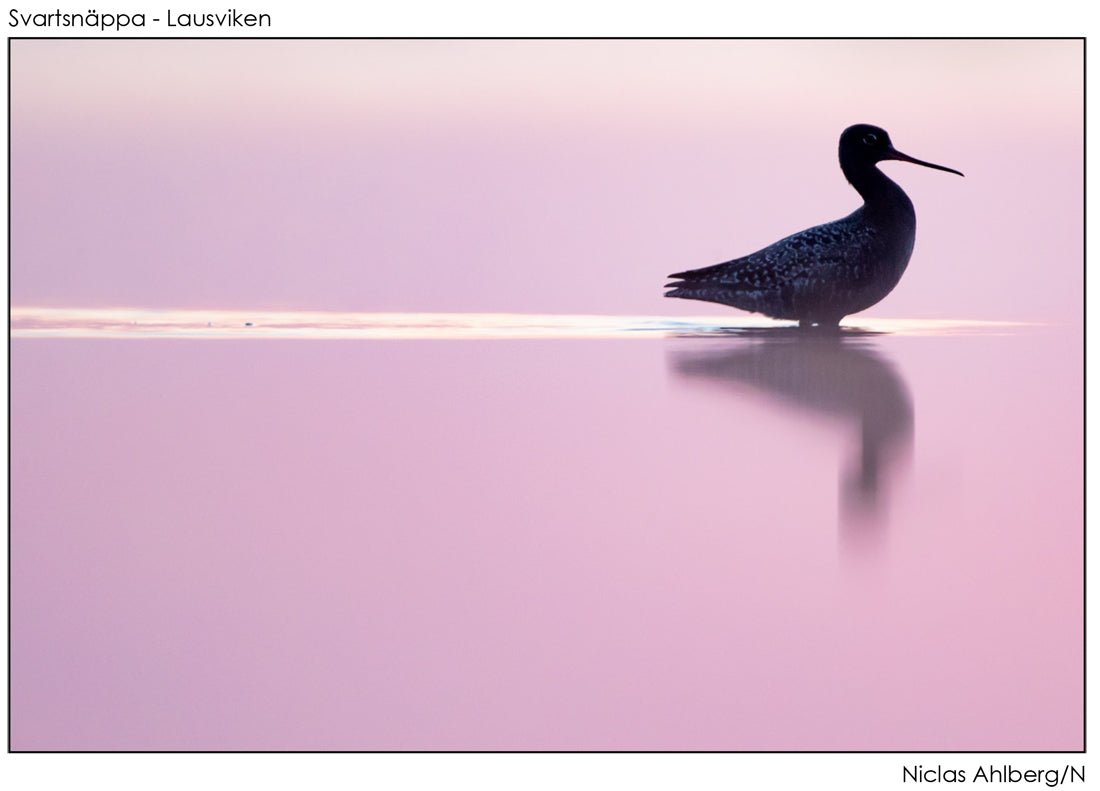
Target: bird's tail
{"points": [[700, 284]]}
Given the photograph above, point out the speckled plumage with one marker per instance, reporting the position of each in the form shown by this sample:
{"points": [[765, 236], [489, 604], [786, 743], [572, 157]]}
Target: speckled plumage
{"points": [[822, 274]]}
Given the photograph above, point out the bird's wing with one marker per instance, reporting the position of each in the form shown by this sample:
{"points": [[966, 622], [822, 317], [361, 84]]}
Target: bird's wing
{"points": [[803, 254]]}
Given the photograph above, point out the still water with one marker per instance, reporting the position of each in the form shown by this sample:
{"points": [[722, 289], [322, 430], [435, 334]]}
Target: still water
{"points": [[583, 533]]}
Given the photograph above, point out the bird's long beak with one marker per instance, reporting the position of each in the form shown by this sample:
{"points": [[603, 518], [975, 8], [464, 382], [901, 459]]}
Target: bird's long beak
{"points": [[893, 153]]}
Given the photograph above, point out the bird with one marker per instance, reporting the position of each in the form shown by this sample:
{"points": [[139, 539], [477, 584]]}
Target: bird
{"points": [[824, 273]]}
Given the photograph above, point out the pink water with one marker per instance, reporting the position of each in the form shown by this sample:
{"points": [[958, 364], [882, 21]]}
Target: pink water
{"points": [[725, 542]]}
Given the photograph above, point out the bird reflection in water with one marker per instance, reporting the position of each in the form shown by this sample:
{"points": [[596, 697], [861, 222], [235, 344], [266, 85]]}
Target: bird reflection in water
{"points": [[833, 375]]}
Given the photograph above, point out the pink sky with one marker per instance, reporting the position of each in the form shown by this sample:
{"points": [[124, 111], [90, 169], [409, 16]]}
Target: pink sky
{"points": [[520, 176]]}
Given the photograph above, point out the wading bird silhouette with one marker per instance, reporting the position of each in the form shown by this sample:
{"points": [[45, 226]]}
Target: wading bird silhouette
{"points": [[822, 274]]}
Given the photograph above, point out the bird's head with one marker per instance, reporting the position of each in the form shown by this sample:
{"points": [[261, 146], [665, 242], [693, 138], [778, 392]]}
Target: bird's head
{"points": [[864, 144]]}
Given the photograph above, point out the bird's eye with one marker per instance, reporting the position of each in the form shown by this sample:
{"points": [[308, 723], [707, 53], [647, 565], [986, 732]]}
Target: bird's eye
{"points": [[870, 139]]}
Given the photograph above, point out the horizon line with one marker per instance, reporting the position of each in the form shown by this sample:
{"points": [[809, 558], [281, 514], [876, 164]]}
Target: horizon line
{"points": [[138, 322]]}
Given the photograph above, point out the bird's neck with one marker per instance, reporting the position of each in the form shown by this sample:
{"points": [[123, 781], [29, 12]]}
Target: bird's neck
{"points": [[880, 194]]}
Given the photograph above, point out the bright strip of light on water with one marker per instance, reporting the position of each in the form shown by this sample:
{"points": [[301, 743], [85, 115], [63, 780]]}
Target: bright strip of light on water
{"points": [[234, 324]]}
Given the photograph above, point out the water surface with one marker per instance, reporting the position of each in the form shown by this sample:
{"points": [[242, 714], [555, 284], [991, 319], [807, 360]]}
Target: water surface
{"points": [[445, 531]]}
